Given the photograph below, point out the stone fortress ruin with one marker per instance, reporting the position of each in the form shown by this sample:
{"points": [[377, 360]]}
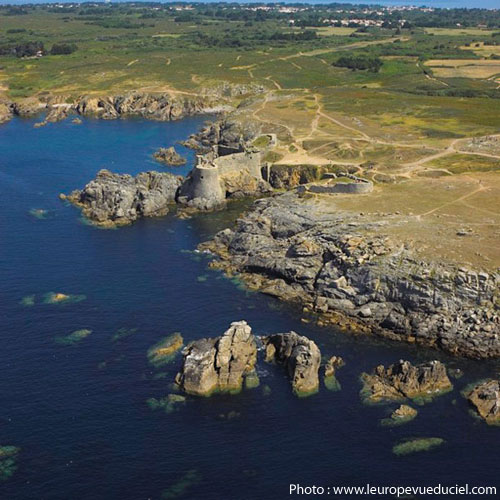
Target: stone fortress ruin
{"points": [[230, 172], [216, 177]]}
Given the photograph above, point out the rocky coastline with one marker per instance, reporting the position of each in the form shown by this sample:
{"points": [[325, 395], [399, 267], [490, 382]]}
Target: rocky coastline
{"points": [[343, 269], [161, 106], [339, 267], [229, 363]]}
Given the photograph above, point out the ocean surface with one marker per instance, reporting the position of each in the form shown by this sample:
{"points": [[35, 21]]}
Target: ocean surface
{"points": [[79, 413]]}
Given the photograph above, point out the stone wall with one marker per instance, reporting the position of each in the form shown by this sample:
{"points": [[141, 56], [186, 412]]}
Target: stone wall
{"points": [[358, 186], [237, 162], [214, 178]]}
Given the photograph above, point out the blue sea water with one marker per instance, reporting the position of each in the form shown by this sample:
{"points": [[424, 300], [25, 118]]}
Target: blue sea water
{"points": [[79, 413]]}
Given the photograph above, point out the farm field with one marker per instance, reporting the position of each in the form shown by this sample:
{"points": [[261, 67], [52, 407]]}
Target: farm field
{"points": [[464, 68]]}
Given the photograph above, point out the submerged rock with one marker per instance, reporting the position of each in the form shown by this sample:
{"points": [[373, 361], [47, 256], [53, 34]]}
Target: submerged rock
{"points": [[169, 156], [219, 364], [114, 199], [179, 488], [122, 333], [28, 301], [169, 404], [62, 298], [8, 461], [39, 213], [416, 445], [485, 397], [301, 358], [165, 350], [74, 337], [404, 380]]}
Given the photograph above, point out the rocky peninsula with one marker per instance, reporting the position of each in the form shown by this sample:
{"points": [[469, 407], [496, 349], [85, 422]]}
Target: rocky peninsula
{"points": [[342, 267], [114, 200]]}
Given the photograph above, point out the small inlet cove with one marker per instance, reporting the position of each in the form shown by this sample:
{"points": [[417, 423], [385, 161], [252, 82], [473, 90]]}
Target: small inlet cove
{"points": [[92, 322]]}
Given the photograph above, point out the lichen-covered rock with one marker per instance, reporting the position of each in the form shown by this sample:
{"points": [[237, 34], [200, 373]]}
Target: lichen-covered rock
{"points": [[404, 380], [485, 397], [300, 356], [113, 199], [169, 156], [219, 364]]}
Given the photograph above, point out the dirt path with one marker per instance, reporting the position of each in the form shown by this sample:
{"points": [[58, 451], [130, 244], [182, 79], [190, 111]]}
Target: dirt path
{"points": [[274, 82], [347, 127], [461, 198]]}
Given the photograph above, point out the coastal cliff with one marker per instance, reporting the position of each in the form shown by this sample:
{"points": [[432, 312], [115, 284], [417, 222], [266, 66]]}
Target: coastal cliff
{"points": [[343, 268], [161, 106]]}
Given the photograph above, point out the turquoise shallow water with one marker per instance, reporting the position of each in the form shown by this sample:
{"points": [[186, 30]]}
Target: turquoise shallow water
{"points": [[79, 413]]}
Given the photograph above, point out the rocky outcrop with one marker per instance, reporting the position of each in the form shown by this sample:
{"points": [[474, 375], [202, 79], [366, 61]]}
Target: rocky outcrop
{"points": [[169, 156], [225, 136], [404, 380], [404, 412], [332, 364], [28, 107], [153, 106], [485, 397], [299, 355], [113, 199], [5, 111], [219, 364], [343, 267]]}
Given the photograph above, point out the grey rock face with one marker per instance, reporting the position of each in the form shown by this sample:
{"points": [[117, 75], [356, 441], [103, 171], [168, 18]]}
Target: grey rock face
{"points": [[163, 107], [404, 380], [300, 356], [113, 199], [485, 397], [227, 136], [344, 267], [219, 364]]}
